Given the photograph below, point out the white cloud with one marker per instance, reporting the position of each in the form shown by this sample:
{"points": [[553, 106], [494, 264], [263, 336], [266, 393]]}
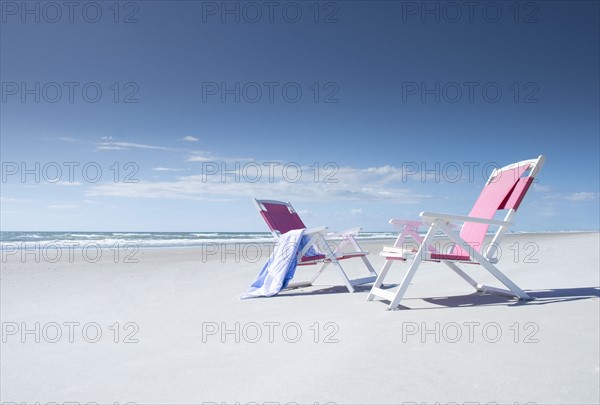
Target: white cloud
{"points": [[68, 183], [541, 188], [111, 148], [128, 145], [109, 144], [582, 196], [356, 211], [204, 156], [167, 169], [13, 200], [344, 184], [63, 206], [69, 139], [189, 139], [575, 197], [201, 156]]}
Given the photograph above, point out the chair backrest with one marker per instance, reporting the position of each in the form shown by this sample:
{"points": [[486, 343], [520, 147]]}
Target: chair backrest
{"points": [[504, 190], [280, 216]]}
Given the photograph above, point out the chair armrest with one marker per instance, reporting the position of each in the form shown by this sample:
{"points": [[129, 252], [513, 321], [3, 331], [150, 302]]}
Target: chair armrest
{"points": [[412, 223], [432, 216], [318, 229], [347, 232], [402, 222]]}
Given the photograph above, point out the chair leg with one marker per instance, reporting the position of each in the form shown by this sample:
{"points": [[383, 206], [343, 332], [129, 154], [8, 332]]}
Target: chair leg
{"points": [[412, 269], [462, 274], [330, 254], [369, 266], [406, 281], [379, 281], [347, 281], [505, 280], [366, 261], [319, 272], [517, 292], [330, 257]]}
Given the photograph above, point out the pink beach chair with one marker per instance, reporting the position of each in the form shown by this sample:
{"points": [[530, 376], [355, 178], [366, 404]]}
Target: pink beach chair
{"points": [[281, 218], [504, 190]]}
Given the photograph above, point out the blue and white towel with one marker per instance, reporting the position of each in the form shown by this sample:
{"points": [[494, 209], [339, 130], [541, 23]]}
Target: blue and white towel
{"points": [[281, 266]]}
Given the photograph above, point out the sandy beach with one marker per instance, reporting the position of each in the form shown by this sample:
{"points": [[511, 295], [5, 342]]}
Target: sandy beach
{"points": [[150, 149], [166, 326]]}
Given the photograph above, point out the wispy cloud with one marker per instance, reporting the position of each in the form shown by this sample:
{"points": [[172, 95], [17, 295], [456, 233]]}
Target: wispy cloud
{"points": [[541, 188], [205, 156], [201, 156], [63, 206], [108, 143], [111, 148], [575, 197], [189, 139], [13, 200], [167, 169], [343, 184], [111, 145], [70, 139], [582, 196]]}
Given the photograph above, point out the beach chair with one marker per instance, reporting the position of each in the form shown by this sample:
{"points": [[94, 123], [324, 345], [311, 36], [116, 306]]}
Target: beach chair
{"points": [[504, 190], [327, 247]]}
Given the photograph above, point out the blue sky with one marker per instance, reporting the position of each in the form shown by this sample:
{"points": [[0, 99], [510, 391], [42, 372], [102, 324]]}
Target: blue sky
{"points": [[354, 111]]}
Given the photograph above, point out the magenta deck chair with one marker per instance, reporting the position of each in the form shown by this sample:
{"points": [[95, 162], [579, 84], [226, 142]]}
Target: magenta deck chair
{"points": [[504, 191], [281, 218]]}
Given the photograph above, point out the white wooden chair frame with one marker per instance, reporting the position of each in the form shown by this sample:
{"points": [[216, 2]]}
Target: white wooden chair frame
{"points": [[320, 239], [443, 223]]}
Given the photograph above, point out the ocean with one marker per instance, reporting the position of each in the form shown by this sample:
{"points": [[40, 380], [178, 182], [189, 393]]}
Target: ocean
{"points": [[32, 240]]}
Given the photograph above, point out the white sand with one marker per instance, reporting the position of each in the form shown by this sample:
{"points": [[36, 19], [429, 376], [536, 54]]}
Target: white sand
{"points": [[363, 354]]}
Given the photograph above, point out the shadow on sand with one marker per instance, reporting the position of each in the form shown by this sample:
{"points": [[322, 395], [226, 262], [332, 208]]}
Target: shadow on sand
{"points": [[541, 297]]}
